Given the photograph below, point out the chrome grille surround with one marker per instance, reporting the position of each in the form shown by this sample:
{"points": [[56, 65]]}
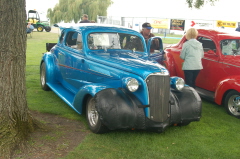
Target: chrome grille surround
{"points": [[158, 95]]}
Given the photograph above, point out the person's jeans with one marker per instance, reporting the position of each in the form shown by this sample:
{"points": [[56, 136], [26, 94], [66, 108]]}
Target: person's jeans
{"points": [[190, 77]]}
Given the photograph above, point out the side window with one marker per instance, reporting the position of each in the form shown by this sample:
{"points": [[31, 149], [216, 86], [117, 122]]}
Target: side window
{"points": [[207, 44], [131, 42], [230, 47], [74, 40]]}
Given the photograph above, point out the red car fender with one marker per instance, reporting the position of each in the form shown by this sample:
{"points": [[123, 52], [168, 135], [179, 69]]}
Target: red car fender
{"points": [[169, 63], [231, 83]]}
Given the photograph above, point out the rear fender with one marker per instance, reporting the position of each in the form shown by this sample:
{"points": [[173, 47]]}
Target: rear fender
{"points": [[49, 61], [231, 83]]}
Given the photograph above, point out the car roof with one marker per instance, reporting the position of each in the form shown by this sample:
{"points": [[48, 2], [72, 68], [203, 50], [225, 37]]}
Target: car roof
{"points": [[220, 34], [93, 26]]}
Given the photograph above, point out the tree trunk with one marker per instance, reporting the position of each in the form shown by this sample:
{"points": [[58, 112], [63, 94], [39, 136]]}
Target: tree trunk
{"points": [[15, 121]]}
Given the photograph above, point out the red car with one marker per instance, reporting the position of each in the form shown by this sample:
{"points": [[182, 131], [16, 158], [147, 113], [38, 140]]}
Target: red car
{"points": [[219, 80]]}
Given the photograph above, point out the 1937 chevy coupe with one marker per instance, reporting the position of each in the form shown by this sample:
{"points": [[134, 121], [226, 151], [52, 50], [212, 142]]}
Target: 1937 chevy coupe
{"points": [[107, 72], [219, 80]]}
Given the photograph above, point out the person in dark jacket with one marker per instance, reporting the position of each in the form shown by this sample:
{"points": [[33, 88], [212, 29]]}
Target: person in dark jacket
{"points": [[85, 19], [192, 54], [238, 28], [146, 32]]}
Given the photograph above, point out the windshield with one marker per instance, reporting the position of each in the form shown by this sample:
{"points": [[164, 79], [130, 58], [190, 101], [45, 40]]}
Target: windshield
{"points": [[230, 47], [115, 41]]}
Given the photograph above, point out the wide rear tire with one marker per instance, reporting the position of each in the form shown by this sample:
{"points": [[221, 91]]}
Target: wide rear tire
{"points": [[47, 29], [43, 79]]}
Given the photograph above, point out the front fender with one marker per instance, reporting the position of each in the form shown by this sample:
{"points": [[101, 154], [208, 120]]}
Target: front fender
{"points": [[119, 109], [186, 106], [169, 63], [84, 91], [231, 83]]}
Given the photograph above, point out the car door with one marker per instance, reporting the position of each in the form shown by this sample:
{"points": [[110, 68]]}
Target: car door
{"points": [[211, 72], [77, 75], [71, 59], [60, 55]]}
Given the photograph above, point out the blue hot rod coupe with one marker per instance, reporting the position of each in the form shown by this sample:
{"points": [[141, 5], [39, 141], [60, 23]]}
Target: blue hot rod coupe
{"points": [[109, 73]]}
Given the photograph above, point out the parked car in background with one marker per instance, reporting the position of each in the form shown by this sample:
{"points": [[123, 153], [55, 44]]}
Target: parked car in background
{"points": [[108, 72], [219, 80]]}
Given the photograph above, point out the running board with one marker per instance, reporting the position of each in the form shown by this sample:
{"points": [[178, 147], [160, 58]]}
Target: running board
{"points": [[63, 93], [205, 94]]}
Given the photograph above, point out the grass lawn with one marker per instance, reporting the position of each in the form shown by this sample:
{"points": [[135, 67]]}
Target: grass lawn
{"points": [[168, 39], [215, 136]]}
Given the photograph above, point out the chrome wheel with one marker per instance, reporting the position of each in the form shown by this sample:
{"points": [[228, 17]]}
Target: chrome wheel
{"points": [[92, 113], [234, 105], [93, 117]]}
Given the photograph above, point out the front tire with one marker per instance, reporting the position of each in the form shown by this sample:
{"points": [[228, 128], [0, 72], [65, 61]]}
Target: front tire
{"points": [[93, 118], [43, 77], [40, 28], [232, 103]]}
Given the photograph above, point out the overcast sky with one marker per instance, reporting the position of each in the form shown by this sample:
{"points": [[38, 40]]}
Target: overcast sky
{"points": [[223, 10]]}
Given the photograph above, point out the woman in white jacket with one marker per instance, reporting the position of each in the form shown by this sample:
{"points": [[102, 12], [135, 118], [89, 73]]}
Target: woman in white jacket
{"points": [[192, 54]]}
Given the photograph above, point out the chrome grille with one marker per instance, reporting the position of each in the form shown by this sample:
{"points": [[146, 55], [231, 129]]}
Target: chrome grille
{"points": [[159, 92]]}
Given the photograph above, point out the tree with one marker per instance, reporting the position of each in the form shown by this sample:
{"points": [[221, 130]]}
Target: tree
{"points": [[199, 3], [15, 120], [68, 10]]}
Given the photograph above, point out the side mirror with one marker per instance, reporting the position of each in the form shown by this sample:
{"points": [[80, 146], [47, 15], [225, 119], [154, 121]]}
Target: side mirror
{"points": [[55, 25], [151, 41]]}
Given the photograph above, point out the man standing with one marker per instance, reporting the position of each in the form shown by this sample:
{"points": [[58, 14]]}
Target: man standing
{"points": [[146, 32], [238, 28], [85, 19]]}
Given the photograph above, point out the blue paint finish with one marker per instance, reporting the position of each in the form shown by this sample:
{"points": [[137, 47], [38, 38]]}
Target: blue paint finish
{"points": [[75, 72], [86, 72]]}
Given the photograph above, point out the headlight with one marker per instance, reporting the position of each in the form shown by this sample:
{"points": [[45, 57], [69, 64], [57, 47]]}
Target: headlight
{"points": [[132, 84], [177, 83]]}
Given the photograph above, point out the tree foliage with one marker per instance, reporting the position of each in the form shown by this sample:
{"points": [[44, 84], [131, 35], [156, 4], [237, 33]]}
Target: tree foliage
{"points": [[199, 3], [68, 10]]}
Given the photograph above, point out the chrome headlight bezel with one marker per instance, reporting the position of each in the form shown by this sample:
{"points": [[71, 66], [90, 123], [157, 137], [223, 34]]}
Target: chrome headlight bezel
{"points": [[177, 83], [132, 84]]}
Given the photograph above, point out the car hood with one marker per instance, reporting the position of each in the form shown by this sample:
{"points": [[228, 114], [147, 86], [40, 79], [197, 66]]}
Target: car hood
{"points": [[130, 62]]}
